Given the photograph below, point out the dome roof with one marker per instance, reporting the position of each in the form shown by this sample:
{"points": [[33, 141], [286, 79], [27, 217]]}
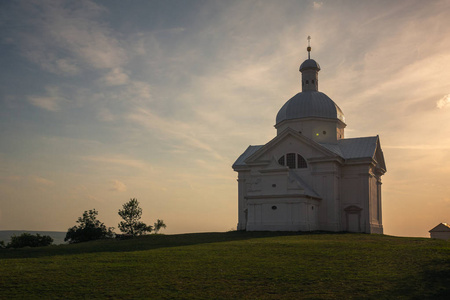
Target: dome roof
{"points": [[309, 64], [310, 104]]}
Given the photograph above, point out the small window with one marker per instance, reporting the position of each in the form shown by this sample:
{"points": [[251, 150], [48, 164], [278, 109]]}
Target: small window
{"points": [[307, 81], [274, 207], [324, 132], [312, 81], [274, 185], [281, 160]]}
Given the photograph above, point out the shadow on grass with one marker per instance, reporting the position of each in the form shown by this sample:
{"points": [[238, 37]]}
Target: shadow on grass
{"points": [[146, 242], [432, 282]]}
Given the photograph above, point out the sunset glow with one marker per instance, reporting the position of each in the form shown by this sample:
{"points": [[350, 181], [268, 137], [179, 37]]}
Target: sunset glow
{"points": [[103, 101]]}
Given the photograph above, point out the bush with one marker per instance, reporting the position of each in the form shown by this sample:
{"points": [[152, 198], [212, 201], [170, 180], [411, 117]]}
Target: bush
{"points": [[89, 229], [29, 240]]}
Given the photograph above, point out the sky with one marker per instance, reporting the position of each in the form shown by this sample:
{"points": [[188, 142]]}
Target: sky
{"points": [[103, 101]]}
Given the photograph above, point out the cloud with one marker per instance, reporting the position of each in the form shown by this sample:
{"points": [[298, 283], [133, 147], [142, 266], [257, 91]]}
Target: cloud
{"points": [[180, 135], [117, 160], [118, 186], [105, 115], [43, 181], [66, 38], [50, 102], [115, 76], [444, 102], [317, 5], [47, 103]]}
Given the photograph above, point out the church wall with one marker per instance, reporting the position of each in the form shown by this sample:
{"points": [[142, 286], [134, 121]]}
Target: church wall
{"points": [[375, 205], [242, 205], [282, 214], [326, 184], [355, 193]]}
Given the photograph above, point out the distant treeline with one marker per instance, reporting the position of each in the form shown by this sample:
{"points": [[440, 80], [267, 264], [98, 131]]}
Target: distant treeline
{"points": [[58, 236]]}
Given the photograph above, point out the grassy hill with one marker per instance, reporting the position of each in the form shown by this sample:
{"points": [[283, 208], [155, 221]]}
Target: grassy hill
{"points": [[233, 265]]}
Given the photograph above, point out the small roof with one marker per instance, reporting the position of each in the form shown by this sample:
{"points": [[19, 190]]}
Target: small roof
{"points": [[308, 190], [309, 64], [442, 227], [363, 147], [247, 153]]}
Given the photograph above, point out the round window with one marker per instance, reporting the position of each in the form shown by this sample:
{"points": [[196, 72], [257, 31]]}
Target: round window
{"points": [[274, 207]]}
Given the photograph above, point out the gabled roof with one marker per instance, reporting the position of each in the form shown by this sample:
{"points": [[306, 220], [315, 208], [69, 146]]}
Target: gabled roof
{"points": [[241, 159], [442, 227], [347, 149]]}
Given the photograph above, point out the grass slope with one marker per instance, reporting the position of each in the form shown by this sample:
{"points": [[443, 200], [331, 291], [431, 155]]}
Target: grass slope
{"points": [[234, 265]]}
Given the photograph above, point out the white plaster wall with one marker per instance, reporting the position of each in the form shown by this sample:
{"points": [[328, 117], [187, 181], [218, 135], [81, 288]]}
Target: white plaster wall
{"points": [[440, 235], [314, 128], [290, 214]]}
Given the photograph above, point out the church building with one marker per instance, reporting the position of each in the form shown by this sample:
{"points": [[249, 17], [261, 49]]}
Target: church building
{"points": [[309, 176]]}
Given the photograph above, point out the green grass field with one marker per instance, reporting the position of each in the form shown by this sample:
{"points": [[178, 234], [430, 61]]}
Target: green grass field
{"points": [[233, 265]]}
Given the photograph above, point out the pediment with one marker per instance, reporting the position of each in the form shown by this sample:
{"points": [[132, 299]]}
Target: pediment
{"points": [[379, 157], [442, 227], [288, 135]]}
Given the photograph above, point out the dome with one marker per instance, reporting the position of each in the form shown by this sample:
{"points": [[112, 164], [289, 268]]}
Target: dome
{"points": [[309, 104], [309, 64]]}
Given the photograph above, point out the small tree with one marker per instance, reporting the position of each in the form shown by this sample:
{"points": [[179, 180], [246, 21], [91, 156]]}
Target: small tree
{"points": [[158, 225], [29, 240], [89, 229], [131, 214]]}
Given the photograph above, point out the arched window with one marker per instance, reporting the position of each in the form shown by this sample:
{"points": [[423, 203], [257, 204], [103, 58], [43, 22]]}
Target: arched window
{"points": [[301, 162], [293, 161]]}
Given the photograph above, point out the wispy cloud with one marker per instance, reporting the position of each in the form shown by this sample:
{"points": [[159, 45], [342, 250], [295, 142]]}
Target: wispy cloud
{"points": [[115, 76], [43, 181], [444, 102], [118, 186], [317, 4], [51, 102], [66, 38], [118, 160]]}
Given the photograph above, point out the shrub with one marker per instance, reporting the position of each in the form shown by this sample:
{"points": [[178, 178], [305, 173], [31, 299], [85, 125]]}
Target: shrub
{"points": [[89, 229], [29, 240]]}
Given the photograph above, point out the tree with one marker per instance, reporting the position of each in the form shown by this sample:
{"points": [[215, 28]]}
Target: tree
{"points": [[29, 240], [158, 225], [131, 214], [89, 229]]}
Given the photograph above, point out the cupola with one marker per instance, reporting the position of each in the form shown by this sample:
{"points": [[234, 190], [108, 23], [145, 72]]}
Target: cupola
{"points": [[312, 112]]}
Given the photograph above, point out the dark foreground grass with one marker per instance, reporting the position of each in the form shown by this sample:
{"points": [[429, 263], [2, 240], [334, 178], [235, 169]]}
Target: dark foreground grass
{"points": [[232, 265]]}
